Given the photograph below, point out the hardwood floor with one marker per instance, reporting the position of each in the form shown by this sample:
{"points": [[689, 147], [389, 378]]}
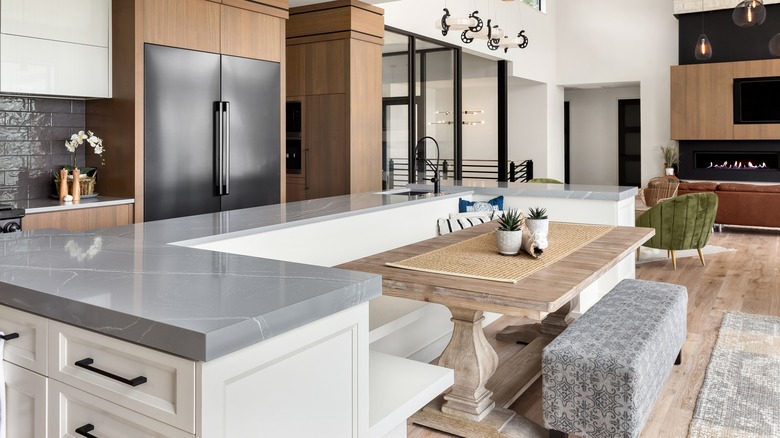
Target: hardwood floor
{"points": [[745, 280]]}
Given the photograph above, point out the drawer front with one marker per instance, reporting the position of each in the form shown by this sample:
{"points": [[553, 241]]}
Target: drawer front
{"points": [[164, 384], [25, 394], [29, 349], [72, 409]]}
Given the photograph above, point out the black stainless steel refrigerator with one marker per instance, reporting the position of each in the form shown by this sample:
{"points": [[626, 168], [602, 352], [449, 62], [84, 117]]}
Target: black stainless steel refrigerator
{"points": [[211, 132]]}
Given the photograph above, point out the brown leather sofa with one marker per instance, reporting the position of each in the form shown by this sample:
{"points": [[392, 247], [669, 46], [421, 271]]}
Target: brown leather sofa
{"points": [[741, 204]]}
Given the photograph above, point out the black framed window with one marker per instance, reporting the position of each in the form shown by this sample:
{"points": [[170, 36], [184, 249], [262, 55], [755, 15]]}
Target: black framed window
{"points": [[429, 107]]}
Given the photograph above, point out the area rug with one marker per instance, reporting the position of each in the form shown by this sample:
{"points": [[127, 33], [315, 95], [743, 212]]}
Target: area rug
{"points": [[647, 255], [740, 396]]}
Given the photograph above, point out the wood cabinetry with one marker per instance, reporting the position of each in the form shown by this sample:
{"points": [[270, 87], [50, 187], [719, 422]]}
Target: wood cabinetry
{"points": [[335, 69], [81, 219], [702, 101], [244, 28]]}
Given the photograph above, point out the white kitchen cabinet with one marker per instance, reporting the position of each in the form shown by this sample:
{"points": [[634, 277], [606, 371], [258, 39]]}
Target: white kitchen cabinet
{"points": [[47, 67], [73, 409], [309, 381], [73, 21], [167, 392], [25, 393], [54, 47], [28, 350]]}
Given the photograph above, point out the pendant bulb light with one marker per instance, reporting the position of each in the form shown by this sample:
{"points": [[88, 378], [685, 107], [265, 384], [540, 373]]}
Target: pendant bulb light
{"points": [[774, 45], [749, 13], [703, 50]]}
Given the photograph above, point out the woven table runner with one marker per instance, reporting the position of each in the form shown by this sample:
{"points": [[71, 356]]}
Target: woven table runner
{"points": [[478, 257]]}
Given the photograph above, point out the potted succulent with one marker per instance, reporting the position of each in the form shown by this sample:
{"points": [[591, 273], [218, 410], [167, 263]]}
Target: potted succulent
{"points": [[538, 225], [671, 156], [509, 235]]}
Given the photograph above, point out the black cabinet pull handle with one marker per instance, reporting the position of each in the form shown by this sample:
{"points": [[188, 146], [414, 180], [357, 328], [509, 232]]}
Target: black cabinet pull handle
{"points": [[85, 431], [85, 363], [9, 336]]}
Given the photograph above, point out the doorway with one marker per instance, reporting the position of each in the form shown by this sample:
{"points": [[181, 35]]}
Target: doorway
{"points": [[629, 143]]}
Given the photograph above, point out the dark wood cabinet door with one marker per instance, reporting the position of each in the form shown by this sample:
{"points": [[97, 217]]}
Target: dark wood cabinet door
{"points": [[326, 148]]}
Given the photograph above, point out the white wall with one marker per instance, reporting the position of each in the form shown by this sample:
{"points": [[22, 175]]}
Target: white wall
{"points": [[600, 41], [574, 43], [534, 62], [594, 133]]}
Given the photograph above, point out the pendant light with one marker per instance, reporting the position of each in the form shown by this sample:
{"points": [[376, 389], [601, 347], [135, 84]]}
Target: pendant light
{"points": [[749, 13], [448, 22], [774, 45], [703, 49]]}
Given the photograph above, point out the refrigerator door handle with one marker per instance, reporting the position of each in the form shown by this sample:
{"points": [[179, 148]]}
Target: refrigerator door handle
{"points": [[218, 147], [226, 146]]}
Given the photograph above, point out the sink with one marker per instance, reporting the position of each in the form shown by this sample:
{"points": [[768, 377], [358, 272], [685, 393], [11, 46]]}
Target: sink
{"points": [[404, 192]]}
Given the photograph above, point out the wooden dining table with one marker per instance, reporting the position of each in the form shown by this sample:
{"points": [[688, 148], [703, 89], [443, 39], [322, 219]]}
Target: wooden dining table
{"points": [[477, 404]]}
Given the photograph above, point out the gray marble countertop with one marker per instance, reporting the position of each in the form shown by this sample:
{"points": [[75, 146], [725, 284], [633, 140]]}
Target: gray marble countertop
{"points": [[33, 206], [563, 191], [140, 283]]}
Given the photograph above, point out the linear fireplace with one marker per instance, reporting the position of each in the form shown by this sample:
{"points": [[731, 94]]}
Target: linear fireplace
{"points": [[730, 160]]}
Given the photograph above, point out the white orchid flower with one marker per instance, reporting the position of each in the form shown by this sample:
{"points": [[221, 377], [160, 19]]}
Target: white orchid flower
{"points": [[70, 146]]}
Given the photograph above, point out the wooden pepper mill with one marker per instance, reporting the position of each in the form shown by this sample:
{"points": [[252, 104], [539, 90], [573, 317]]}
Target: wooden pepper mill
{"points": [[76, 191], [63, 183]]}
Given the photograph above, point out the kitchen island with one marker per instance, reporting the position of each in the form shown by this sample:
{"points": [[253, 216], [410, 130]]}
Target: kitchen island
{"points": [[240, 310], [187, 342]]}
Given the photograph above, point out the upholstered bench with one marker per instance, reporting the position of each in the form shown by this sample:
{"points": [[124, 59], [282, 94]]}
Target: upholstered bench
{"points": [[602, 375]]}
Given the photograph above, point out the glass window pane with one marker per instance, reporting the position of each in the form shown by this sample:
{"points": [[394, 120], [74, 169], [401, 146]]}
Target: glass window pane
{"points": [[395, 65], [435, 115]]}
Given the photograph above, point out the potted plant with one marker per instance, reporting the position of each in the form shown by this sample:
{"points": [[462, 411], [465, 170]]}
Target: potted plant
{"points": [[509, 235], [538, 225], [671, 156], [87, 174]]}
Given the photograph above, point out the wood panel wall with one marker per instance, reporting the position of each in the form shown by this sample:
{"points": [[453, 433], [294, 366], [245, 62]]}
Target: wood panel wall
{"points": [[337, 46], [365, 127], [702, 101]]}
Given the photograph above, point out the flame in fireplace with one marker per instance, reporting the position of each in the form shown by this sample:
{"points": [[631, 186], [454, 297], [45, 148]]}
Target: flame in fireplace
{"points": [[738, 165]]}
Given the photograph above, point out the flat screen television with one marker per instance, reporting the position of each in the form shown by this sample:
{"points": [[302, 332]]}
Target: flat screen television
{"points": [[757, 100]]}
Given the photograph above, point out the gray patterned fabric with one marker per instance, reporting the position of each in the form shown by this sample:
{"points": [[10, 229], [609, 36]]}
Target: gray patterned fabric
{"points": [[602, 375]]}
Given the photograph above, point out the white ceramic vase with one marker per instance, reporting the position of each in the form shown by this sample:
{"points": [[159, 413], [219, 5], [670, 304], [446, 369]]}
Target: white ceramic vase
{"points": [[509, 242], [538, 228], [669, 171]]}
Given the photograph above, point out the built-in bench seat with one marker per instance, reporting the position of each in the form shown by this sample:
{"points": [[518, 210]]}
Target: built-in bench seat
{"points": [[398, 388], [603, 374]]}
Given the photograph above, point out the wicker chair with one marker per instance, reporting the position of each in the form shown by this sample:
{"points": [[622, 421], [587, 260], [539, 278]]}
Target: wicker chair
{"points": [[659, 189], [683, 222]]}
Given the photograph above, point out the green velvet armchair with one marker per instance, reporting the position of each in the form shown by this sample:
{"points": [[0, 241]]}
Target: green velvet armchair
{"points": [[683, 222], [544, 181]]}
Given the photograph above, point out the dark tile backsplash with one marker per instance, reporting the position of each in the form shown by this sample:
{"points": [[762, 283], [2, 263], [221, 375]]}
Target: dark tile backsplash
{"points": [[32, 143]]}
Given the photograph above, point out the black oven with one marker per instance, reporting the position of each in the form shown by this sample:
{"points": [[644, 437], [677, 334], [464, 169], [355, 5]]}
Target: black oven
{"points": [[294, 123], [293, 155]]}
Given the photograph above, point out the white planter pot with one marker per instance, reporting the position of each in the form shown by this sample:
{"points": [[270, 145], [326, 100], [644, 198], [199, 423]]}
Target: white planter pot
{"points": [[669, 171], [509, 242], [538, 228]]}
